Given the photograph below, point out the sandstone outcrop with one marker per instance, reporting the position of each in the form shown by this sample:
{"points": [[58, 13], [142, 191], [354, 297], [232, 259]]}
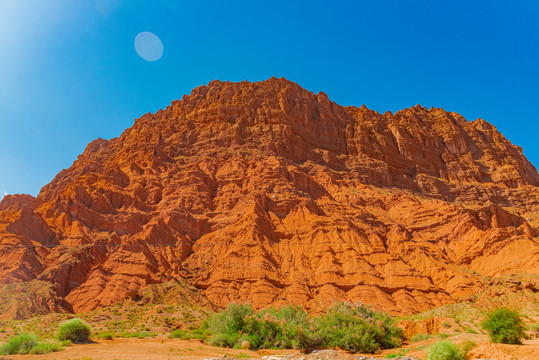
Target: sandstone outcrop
{"points": [[267, 193]]}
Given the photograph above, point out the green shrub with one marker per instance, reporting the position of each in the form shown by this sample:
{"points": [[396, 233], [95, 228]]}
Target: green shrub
{"points": [[28, 344], [20, 344], [420, 337], [75, 330], [265, 333], [269, 328], [224, 340], [45, 347], [401, 352], [231, 320], [504, 325], [358, 328], [179, 334], [140, 334], [145, 334], [445, 350], [107, 335], [202, 333], [350, 327]]}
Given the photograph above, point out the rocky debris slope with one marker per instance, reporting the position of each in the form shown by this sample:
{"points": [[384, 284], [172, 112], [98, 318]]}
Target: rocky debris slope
{"points": [[267, 193]]}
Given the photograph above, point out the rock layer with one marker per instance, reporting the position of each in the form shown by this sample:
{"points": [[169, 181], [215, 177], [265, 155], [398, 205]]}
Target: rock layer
{"points": [[267, 193]]}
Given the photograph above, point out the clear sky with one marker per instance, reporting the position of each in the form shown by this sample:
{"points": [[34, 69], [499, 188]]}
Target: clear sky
{"points": [[69, 71]]}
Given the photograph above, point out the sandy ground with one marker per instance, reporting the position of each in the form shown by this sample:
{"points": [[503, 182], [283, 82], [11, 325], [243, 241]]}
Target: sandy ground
{"points": [[164, 349], [529, 350], [138, 349]]}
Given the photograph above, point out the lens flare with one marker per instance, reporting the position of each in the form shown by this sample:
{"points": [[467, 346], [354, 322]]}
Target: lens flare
{"points": [[148, 46]]}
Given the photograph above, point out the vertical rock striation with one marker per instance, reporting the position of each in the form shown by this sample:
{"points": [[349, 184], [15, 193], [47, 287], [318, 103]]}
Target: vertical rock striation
{"points": [[267, 193]]}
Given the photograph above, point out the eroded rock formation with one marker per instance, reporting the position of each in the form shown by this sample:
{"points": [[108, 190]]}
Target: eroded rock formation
{"points": [[267, 193]]}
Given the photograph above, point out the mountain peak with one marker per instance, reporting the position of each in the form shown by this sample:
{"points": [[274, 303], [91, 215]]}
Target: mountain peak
{"points": [[267, 192]]}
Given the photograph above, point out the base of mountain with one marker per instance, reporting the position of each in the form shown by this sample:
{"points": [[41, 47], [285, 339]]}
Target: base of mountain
{"points": [[139, 329], [162, 348]]}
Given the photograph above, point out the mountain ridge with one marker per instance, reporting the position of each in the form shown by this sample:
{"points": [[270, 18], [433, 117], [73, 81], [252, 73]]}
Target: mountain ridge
{"points": [[266, 192]]}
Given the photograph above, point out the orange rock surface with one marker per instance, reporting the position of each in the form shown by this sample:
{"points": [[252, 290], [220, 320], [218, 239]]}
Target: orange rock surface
{"points": [[269, 194]]}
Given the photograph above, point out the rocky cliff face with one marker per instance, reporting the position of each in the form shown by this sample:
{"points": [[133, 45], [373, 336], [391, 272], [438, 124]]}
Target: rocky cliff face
{"points": [[267, 193]]}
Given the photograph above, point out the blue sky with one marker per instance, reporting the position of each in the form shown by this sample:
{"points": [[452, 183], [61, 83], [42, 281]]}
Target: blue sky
{"points": [[69, 72]]}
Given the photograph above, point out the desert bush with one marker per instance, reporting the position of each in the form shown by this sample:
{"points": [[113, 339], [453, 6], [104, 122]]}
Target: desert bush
{"points": [[232, 320], [504, 325], [445, 350], [179, 334], [420, 337], [139, 334], [350, 327], [401, 352], [28, 344], [201, 333], [75, 330], [269, 328], [228, 325], [20, 344], [45, 347], [358, 328], [108, 335], [224, 340]]}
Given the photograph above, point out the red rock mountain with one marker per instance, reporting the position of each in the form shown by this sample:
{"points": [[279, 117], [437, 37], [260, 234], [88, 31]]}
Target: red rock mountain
{"points": [[267, 193]]}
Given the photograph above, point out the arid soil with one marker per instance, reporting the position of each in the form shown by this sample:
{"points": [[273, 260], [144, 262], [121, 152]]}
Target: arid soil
{"points": [[165, 349], [270, 194], [142, 349]]}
